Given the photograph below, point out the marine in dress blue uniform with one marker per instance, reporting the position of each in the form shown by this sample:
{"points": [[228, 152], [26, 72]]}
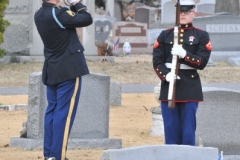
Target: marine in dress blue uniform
{"points": [[193, 50], [63, 68]]}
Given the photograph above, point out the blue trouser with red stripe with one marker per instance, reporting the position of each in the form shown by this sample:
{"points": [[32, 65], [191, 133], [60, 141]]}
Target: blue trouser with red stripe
{"points": [[180, 123], [59, 116]]}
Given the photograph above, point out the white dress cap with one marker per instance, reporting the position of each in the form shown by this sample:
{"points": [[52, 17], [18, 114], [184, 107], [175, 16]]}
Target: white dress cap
{"points": [[187, 2]]}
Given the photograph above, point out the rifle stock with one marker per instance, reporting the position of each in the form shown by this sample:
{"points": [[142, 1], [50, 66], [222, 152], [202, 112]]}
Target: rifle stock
{"points": [[175, 65]]}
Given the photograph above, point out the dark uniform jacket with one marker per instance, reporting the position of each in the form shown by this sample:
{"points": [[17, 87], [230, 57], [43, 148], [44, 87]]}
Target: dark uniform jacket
{"points": [[64, 58], [197, 44]]}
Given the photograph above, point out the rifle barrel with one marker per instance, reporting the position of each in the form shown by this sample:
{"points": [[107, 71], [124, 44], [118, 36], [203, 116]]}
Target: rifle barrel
{"points": [[175, 65]]}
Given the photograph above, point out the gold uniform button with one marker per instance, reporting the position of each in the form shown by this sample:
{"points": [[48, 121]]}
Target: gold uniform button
{"points": [[197, 60], [193, 59], [181, 40], [187, 57], [192, 76], [181, 35], [160, 72], [182, 30], [186, 26], [171, 42], [191, 43], [78, 50], [164, 76]]}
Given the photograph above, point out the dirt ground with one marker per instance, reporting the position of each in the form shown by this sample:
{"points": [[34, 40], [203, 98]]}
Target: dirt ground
{"points": [[130, 122]]}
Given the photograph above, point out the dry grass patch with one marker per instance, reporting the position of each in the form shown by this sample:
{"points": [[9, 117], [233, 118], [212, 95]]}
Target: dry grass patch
{"points": [[221, 73], [136, 69], [16, 74]]}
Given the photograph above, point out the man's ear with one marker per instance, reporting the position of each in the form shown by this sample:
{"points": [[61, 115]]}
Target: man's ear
{"points": [[194, 14]]}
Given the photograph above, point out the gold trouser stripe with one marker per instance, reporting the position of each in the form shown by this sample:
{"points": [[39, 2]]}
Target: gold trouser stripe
{"points": [[65, 137]]}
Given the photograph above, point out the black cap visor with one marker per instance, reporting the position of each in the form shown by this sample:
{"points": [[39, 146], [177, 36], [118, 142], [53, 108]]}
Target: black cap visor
{"points": [[186, 7]]}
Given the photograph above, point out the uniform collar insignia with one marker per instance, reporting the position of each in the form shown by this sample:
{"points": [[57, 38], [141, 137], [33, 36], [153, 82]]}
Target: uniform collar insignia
{"points": [[186, 26]]}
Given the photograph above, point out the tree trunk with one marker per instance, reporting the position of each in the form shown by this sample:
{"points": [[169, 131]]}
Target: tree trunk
{"points": [[231, 6]]}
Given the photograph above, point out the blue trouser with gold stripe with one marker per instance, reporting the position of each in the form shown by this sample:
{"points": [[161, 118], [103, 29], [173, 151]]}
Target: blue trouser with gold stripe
{"points": [[59, 116], [180, 123]]}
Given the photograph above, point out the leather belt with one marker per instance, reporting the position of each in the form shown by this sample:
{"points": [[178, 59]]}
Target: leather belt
{"points": [[182, 66]]}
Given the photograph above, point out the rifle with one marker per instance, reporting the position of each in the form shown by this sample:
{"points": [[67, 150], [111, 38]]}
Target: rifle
{"points": [[175, 64]]}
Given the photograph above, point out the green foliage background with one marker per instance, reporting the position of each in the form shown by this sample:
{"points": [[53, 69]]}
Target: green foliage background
{"points": [[3, 23]]}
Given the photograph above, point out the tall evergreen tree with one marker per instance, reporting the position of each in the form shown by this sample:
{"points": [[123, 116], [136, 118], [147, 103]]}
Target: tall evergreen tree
{"points": [[3, 23], [231, 6]]}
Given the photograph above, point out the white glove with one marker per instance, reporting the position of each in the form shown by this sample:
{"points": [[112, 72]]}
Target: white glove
{"points": [[72, 1], [171, 77], [178, 51]]}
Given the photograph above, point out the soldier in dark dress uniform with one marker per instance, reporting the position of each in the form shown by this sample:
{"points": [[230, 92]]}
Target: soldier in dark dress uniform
{"points": [[63, 68], [193, 51]]}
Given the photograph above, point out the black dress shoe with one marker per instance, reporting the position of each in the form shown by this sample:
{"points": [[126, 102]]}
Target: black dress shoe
{"points": [[52, 158], [49, 158]]}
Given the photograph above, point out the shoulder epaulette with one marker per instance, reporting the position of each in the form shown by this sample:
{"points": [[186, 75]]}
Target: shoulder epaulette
{"points": [[61, 7], [82, 9]]}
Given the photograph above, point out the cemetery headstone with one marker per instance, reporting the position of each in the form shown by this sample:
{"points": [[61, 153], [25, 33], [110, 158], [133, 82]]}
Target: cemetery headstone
{"points": [[22, 38], [102, 29], [206, 6], [231, 6], [134, 32], [168, 11], [218, 120], [152, 35], [224, 30], [91, 125], [149, 15], [115, 94]]}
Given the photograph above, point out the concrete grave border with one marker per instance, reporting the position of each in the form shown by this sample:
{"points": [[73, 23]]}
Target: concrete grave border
{"points": [[162, 152]]}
